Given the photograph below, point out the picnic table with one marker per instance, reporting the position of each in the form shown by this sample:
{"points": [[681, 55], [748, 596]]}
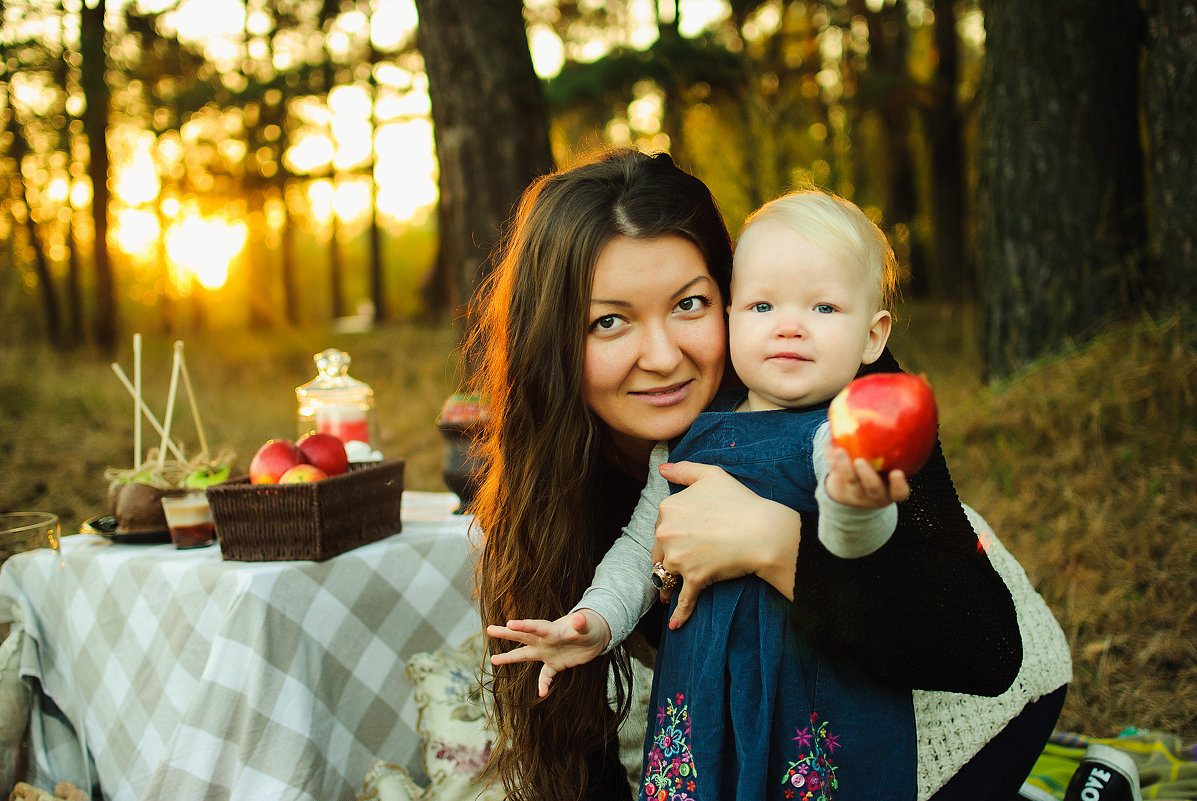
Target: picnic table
{"points": [[178, 675]]}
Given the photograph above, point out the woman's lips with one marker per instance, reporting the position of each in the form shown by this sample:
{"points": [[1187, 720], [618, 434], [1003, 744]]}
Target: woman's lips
{"points": [[665, 396]]}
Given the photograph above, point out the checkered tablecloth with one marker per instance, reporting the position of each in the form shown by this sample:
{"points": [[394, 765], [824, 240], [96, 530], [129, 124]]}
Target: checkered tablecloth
{"points": [[194, 678]]}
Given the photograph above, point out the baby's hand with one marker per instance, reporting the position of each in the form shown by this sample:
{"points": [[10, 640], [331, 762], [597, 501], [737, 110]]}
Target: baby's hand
{"points": [[856, 483], [567, 642]]}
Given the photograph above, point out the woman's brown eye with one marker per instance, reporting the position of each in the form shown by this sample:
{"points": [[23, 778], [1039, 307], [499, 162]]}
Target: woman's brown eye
{"points": [[606, 322], [692, 303]]}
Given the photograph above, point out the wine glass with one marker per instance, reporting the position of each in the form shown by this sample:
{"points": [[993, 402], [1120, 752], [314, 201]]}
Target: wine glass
{"points": [[24, 531]]}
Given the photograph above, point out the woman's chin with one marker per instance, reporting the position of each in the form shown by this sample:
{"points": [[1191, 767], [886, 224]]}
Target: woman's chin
{"points": [[669, 427]]}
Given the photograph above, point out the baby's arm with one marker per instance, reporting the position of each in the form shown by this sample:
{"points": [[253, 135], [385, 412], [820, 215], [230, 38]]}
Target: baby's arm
{"points": [[858, 509], [622, 589], [621, 592]]}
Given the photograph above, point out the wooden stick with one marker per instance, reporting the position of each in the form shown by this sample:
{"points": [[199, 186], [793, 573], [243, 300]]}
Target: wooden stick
{"points": [[195, 415], [170, 407], [137, 403], [116, 368]]}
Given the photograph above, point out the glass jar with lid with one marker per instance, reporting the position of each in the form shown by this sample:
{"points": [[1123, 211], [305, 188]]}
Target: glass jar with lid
{"points": [[336, 403]]}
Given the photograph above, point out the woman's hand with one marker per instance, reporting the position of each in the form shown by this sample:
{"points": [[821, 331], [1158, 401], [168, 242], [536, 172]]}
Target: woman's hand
{"points": [[718, 529], [566, 642]]}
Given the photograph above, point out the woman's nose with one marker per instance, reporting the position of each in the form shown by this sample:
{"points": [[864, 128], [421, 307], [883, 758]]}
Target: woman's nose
{"points": [[660, 351]]}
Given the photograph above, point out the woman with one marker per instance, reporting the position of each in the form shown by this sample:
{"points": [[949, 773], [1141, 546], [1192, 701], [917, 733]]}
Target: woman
{"points": [[602, 332]]}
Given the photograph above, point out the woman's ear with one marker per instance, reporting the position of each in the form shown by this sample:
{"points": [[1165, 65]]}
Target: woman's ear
{"points": [[879, 330]]}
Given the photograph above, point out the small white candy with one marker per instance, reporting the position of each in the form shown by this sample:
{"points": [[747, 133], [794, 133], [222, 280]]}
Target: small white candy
{"points": [[359, 451]]}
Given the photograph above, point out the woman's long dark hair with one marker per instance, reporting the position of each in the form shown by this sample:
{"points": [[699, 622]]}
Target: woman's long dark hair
{"points": [[543, 446]]}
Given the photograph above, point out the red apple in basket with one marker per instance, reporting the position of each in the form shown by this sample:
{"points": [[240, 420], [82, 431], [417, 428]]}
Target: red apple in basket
{"points": [[888, 419], [326, 451], [302, 474], [274, 458]]}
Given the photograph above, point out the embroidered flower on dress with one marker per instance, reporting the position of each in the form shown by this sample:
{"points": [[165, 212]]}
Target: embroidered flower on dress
{"points": [[803, 738], [669, 771], [812, 774]]}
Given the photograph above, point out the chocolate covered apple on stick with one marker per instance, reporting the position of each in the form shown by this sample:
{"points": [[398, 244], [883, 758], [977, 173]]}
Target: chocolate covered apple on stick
{"points": [[135, 494]]}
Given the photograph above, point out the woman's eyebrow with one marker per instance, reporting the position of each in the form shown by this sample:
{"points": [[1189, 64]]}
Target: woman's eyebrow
{"points": [[700, 279]]}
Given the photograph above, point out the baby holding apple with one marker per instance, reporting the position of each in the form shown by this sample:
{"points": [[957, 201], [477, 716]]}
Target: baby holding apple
{"points": [[746, 702]]}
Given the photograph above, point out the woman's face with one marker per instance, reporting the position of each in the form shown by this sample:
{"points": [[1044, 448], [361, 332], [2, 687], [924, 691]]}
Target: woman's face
{"points": [[655, 342]]}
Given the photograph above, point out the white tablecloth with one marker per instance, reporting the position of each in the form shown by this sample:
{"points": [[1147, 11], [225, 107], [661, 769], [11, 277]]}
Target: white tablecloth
{"points": [[196, 678]]}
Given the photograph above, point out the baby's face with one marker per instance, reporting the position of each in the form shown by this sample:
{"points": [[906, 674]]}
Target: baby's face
{"points": [[800, 321]]}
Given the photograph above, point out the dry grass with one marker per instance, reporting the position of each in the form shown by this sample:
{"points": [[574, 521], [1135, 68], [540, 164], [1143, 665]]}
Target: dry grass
{"points": [[1085, 466], [64, 419]]}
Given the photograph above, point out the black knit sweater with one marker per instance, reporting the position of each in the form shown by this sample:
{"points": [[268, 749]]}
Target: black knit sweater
{"points": [[927, 610]]}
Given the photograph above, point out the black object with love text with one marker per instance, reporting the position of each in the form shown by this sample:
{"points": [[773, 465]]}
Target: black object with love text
{"points": [[1105, 774]]}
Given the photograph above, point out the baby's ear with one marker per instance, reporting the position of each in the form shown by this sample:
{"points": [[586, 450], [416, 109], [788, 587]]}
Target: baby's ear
{"points": [[879, 330]]}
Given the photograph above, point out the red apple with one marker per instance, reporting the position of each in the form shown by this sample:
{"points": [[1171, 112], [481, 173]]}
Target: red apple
{"points": [[273, 459], [302, 474], [326, 451], [888, 419]]}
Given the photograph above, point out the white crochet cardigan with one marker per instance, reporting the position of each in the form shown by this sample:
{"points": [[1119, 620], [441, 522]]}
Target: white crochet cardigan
{"points": [[951, 727]]}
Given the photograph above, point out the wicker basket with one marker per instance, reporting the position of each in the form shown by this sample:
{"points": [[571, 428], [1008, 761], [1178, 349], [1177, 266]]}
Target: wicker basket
{"points": [[316, 520]]}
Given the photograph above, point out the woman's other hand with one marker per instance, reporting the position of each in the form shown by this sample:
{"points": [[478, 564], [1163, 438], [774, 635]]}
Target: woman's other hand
{"points": [[566, 642], [717, 529]]}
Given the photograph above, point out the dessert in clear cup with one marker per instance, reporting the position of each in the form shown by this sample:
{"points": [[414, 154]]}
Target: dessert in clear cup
{"points": [[189, 519]]}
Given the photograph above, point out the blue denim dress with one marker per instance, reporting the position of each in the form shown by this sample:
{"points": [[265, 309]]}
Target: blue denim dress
{"points": [[742, 706]]}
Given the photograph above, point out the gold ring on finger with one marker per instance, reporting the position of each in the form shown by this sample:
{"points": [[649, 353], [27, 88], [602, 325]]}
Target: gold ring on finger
{"points": [[662, 578]]}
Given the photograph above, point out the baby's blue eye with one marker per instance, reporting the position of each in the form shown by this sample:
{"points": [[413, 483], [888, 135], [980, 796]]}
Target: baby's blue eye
{"points": [[824, 308], [762, 307]]}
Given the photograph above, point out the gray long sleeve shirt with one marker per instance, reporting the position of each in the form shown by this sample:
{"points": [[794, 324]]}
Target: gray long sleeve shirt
{"points": [[622, 589]]}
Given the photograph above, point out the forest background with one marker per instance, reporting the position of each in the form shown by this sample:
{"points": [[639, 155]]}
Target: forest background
{"points": [[265, 178]]}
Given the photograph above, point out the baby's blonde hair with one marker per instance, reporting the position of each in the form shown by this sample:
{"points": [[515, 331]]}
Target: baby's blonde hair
{"points": [[840, 227]]}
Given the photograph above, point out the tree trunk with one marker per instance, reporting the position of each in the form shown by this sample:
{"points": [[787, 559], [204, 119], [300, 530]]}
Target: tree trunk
{"points": [[1060, 197], [287, 266], [377, 275], [328, 71], [491, 127], [336, 265], [378, 289], [166, 303], [92, 71], [72, 333], [51, 314], [74, 278], [45, 281], [262, 311], [953, 270], [673, 113], [888, 56], [1169, 90]]}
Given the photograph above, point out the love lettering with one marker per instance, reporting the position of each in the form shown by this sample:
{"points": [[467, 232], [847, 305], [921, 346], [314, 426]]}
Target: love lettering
{"points": [[1096, 780]]}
